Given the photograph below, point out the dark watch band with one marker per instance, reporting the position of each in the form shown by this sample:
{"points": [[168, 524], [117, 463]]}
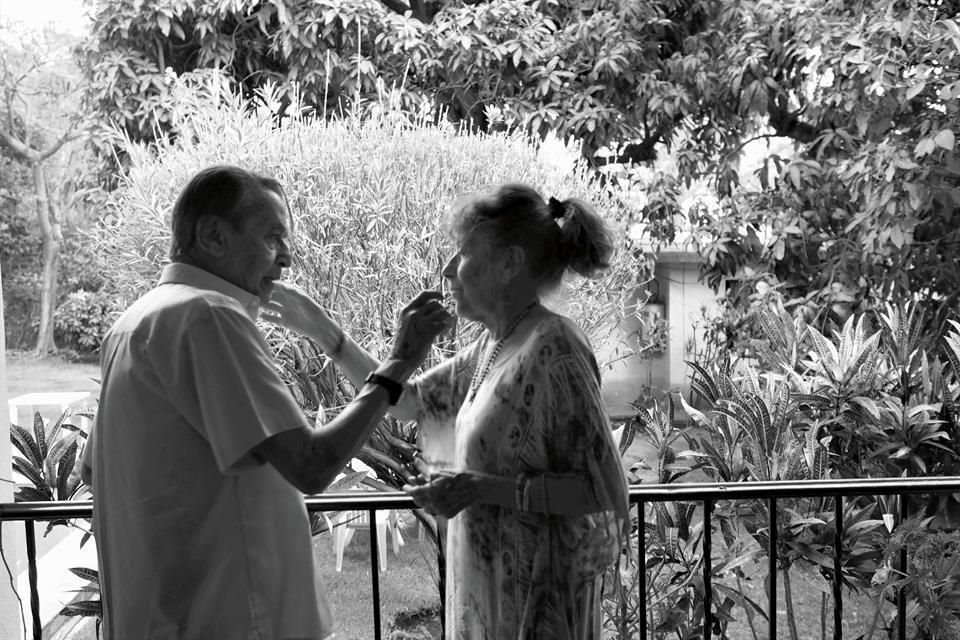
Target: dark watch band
{"points": [[394, 388]]}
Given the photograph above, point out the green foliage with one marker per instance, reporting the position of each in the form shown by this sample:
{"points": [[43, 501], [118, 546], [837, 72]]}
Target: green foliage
{"points": [[90, 607], [608, 72], [660, 430], [930, 581], [860, 209], [48, 459], [82, 319], [673, 548], [850, 203], [42, 139], [19, 261], [880, 401], [858, 403], [675, 590]]}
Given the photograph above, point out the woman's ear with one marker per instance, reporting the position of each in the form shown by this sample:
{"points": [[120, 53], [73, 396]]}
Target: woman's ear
{"points": [[514, 260], [211, 238]]}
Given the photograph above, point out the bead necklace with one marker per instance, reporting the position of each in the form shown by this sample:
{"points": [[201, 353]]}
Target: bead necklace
{"points": [[478, 379]]}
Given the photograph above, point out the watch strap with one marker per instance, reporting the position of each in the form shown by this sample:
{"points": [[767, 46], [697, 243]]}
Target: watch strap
{"points": [[394, 388]]}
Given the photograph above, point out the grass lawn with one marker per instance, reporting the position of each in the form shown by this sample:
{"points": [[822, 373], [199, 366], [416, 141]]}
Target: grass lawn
{"points": [[814, 617], [26, 373], [408, 585]]}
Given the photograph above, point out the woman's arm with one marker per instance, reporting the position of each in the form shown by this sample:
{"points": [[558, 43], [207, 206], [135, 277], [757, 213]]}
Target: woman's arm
{"points": [[295, 310], [564, 495], [549, 494]]}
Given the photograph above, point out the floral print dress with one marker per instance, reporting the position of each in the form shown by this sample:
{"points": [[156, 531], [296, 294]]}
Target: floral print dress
{"points": [[527, 575]]}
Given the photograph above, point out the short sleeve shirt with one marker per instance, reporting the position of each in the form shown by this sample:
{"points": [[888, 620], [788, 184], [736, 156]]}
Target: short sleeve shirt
{"points": [[196, 537]]}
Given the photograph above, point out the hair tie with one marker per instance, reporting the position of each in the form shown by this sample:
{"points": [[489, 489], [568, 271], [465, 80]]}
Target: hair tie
{"points": [[557, 208]]}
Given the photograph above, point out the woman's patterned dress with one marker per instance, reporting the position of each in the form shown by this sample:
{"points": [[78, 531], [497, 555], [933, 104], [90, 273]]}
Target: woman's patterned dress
{"points": [[527, 575]]}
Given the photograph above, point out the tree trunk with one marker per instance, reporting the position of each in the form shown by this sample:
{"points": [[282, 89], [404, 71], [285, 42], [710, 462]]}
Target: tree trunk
{"points": [[52, 233]]}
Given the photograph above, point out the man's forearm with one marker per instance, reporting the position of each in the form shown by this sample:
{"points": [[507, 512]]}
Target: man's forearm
{"points": [[335, 443], [356, 363]]}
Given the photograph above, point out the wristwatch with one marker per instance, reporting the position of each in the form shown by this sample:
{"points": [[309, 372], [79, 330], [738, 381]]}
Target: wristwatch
{"points": [[394, 388]]}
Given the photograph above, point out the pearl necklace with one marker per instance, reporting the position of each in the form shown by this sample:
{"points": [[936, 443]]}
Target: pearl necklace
{"points": [[478, 379]]}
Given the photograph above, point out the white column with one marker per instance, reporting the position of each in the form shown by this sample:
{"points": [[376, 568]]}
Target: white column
{"points": [[10, 620]]}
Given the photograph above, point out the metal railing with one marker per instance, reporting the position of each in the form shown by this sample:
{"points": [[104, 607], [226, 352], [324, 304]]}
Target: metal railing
{"points": [[640, 496]]}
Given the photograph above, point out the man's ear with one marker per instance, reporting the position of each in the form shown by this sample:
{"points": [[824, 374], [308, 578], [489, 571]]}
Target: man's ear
{"points": [[211, 237]]}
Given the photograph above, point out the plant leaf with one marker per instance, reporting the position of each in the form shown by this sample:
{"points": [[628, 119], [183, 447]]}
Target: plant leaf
{"points": [[23, 441]]}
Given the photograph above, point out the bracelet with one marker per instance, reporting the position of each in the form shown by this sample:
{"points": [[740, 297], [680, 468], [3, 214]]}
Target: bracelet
{"points": [[333, 353], [394, 388]]}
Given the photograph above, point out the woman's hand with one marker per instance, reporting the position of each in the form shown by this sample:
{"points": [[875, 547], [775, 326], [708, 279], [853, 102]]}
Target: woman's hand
{"points": [[292, 308], [420, 322], [445, 493]]}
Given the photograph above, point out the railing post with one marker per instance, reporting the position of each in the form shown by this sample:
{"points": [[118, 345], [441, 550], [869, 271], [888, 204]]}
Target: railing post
{"points": [[442, 577], [707, 569], [375, 571], [642, 566], [11, 620], [837, 569], [32, 576], [772, 570], [901, 594]]}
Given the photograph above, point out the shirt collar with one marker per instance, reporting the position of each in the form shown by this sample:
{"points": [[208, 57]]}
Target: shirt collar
{"points": [[182, 273]]}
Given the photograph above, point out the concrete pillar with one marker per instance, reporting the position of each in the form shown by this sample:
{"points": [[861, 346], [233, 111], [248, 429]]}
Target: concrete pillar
{"points": [[11, 625], [685, 297]]}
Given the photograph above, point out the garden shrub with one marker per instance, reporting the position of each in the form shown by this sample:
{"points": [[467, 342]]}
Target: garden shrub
{"points": [[82, 319], [20, 263], [876, 397]]}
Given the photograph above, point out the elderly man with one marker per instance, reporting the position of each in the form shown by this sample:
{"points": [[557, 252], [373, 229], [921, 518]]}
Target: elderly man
{"points": [[199, 454]]}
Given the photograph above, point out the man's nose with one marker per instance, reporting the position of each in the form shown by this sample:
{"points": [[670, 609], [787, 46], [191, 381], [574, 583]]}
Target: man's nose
{"points": [[450, 269], [283, 256]]}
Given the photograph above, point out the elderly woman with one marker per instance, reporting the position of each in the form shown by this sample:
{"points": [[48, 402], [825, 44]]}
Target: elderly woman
{"points": [[534, 488]]}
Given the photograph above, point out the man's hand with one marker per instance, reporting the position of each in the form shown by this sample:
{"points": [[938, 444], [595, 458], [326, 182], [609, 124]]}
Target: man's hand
{"points": [[420, 322]]}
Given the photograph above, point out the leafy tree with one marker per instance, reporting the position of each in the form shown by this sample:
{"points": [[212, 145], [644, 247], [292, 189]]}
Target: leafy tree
{"points": [[855, 196], [863, 207], [40, 117], [624, 74], [583, 69]]}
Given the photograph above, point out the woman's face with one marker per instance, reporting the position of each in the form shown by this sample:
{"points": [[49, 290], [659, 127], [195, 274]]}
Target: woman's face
{"points": [[470, 274]]}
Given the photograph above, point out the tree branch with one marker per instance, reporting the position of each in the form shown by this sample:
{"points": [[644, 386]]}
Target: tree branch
{"points": [[17, 146], [67, 136], [635, 152], [787, 124], [397, 6]]}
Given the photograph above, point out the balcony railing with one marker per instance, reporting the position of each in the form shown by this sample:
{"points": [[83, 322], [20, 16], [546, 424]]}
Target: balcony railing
{"points": [[707, 494]]}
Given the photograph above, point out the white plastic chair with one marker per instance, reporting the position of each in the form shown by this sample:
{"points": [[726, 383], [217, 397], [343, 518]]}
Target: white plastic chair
{"points": [[345, 523]]}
